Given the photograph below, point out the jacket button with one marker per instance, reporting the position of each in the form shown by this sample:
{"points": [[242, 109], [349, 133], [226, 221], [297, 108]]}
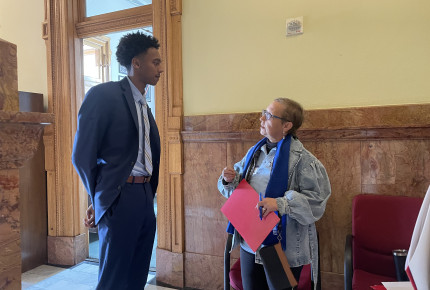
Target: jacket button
{"points": [[119, 187]]}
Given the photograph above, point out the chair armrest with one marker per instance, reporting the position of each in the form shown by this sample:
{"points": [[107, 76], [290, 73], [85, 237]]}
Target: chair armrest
{"points": [[347, 271], [227, 262]]}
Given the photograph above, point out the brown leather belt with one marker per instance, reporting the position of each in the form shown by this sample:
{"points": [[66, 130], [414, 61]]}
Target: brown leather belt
{"points": [[138, 179]]}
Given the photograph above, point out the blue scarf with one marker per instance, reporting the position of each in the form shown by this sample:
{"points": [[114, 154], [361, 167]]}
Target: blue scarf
{"points": [[278, 182]]}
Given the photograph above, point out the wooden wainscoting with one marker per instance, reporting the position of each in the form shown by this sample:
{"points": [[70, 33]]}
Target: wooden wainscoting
{"points": [[378, 150]]}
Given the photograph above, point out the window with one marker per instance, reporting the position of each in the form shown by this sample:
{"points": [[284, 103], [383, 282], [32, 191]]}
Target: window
{"points": [[97, 54], [100, 64], [98, 7]]}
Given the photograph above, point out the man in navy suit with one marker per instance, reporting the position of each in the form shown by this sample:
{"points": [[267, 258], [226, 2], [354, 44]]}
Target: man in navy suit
{"points": [[117, 155]]}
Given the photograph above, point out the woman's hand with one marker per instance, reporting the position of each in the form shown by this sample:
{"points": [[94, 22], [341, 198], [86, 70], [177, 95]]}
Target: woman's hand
{"points": [[228, 174], [89, 220], [269, 204]]}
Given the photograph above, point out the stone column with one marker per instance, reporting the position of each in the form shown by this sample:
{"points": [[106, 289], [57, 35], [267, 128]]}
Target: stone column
{"points": [[19, 136]]}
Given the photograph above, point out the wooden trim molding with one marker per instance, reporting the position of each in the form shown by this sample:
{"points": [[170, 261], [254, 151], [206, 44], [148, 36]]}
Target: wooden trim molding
{"points": [[169, 114], [106, 23], [175, 7], [45, 32], [63, 194], [65, 26], [161, 111]]}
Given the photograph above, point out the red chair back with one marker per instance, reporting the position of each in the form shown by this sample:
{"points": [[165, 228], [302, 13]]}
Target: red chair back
{"points": [[381, 224]]}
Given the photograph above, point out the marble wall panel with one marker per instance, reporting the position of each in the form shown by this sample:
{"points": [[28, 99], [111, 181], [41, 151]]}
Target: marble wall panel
{"points": [[10, 279], [401, 116], [383, 150], [67, 250], [18, 140], [236, 151], [9, 206], [204, 271], [60, 251], [397, 167], [10, 250], [9, 100], [205, 235], [204, 221], [10, 257], [19, 135], [81, 248], [344, 175], [223, 122], [171, 269]]}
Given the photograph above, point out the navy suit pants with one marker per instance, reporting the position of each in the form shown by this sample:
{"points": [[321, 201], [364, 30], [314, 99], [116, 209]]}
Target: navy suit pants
{"points": [[126, 237]]}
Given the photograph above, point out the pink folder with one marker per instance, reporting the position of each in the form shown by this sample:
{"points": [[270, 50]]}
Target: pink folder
{"points": [[240, 209]]}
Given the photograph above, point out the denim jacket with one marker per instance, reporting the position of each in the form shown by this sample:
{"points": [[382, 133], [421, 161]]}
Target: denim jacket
{"points": [[304, 203]]}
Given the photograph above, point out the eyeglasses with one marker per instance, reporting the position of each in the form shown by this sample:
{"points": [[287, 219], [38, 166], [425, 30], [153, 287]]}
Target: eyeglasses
{"points": [[269, 116]]}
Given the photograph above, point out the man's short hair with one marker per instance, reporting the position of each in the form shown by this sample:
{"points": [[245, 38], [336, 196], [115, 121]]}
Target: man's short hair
{"points": [[133, 44]]}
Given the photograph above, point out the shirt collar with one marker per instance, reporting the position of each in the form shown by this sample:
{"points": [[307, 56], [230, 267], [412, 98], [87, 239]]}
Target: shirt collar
{"points": [[137, 95]]}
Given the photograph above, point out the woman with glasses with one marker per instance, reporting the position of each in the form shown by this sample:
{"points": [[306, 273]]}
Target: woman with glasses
{"points": [[294, 184]]}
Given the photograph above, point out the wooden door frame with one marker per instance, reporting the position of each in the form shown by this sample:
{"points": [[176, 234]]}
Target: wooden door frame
{"points": [[63, 29]]}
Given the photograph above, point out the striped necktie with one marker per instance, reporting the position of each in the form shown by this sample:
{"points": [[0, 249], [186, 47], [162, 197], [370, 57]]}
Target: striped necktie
{"points": [[147, 143]]}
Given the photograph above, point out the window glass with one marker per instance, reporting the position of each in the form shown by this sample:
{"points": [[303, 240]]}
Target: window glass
{"points": [[97, 7], [100, 64]]}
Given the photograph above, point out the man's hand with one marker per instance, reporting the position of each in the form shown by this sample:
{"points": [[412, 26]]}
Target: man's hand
{"points": [[89, 220], [228, 174]]}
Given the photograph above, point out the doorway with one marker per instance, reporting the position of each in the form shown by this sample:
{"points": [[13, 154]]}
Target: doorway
{"points": [[100, 65], [67, 23]]}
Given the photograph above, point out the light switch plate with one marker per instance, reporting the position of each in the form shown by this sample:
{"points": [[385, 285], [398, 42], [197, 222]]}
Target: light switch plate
{"points": [[294, 26]]}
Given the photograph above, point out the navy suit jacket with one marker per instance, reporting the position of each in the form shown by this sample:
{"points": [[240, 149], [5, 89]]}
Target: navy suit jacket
{"points": [[107, 143]]}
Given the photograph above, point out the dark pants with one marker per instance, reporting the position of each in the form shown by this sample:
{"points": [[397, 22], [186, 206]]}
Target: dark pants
{"points": [[126, 237], [253, 275]]}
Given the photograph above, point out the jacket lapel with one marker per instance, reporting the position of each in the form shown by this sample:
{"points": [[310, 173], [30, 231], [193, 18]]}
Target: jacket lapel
{"points": [[125, 86]]}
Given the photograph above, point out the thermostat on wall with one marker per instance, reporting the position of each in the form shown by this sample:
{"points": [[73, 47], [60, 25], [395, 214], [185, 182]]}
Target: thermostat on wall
{"points": [[294, 26]]}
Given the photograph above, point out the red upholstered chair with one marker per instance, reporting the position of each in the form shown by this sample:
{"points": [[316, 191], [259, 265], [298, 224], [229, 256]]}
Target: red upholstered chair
{"points": [[232, 275], [380, 224]]}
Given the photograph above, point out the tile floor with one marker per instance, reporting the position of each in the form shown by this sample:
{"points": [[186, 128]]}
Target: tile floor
{"points": [[80, 277]]}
